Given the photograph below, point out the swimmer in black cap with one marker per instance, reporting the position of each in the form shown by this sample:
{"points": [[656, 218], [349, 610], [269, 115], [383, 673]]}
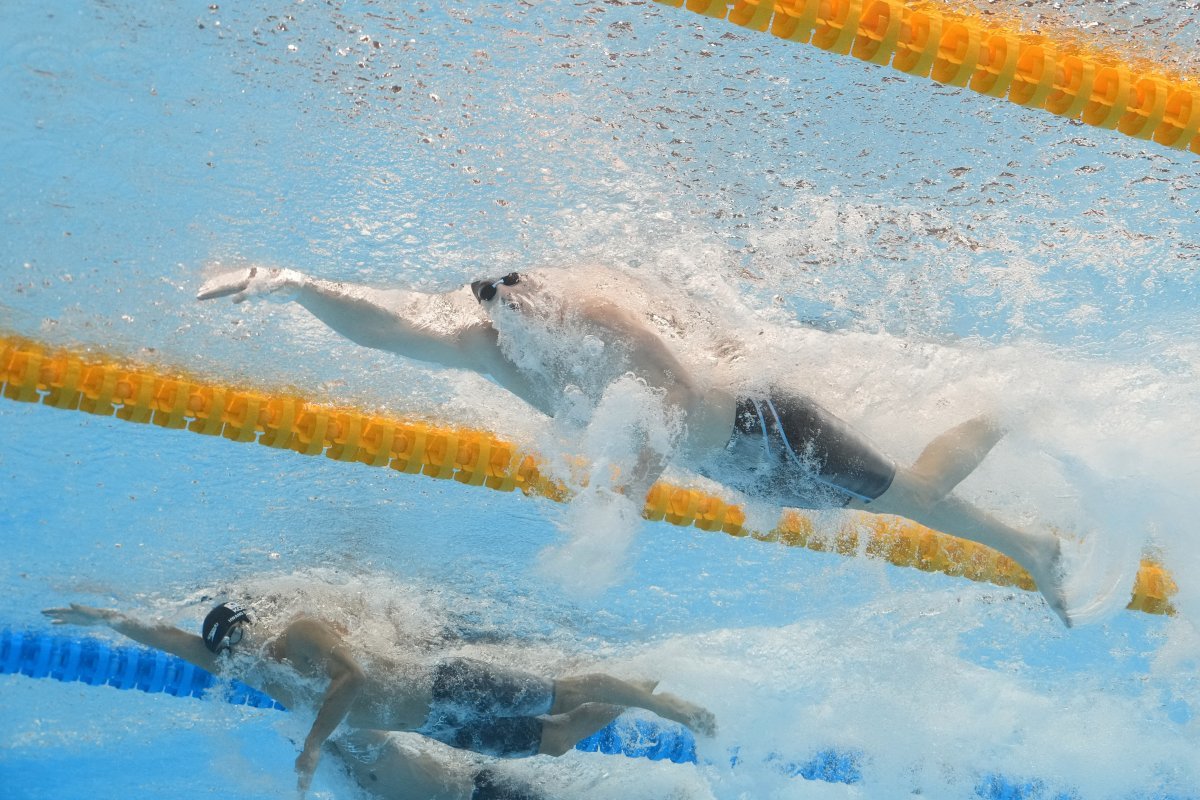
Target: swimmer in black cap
{"points": [[461, 702], [222, 628], [559, 339]]}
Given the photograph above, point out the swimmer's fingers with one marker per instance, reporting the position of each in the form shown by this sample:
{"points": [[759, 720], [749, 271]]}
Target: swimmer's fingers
{"points": [[78, 614], [242, 284], [227, 283], [306, 765]]}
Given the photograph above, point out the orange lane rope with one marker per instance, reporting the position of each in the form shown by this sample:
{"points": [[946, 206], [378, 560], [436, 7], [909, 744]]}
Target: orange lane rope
{"points": [[32, 373], [929, 41]]}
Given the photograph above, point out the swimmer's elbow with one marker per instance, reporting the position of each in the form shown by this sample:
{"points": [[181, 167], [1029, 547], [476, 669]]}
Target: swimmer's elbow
{"points": [[356, 676], [345, 672], [684, 394]]}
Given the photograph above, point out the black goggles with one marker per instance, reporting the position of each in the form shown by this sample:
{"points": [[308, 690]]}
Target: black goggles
{"points": [[486, 290], [235, 635]]}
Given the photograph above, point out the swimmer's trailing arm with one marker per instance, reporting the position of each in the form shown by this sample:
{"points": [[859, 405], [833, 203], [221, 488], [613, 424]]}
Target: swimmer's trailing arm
{"points": [[187, 646]]}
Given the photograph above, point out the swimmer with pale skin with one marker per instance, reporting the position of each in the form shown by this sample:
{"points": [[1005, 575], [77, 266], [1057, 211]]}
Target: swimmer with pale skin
{"points": [[465, 703], [771, 442]]}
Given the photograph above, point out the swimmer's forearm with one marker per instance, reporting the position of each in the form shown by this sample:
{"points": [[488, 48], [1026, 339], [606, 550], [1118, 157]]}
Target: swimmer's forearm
{"points": [[356, 313], [379, 319], [187, 646], [340, 695]]}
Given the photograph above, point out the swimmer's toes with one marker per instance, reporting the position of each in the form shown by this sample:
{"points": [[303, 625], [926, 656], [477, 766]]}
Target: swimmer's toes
{"points": [[1059, 607], [697, 718], [1050, 582]]}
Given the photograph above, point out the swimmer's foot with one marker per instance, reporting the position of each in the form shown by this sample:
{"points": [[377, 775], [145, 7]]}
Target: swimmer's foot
{"points": [[950, 458], [698, 719], [1046, 568]]}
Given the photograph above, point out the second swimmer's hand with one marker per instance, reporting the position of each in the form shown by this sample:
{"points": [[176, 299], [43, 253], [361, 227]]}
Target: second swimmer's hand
{"points": [[306, 765], [78, 614]]}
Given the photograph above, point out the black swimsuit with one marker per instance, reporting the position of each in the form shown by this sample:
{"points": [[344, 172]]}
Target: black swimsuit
{"points": [[487, 709], [788, 448]]}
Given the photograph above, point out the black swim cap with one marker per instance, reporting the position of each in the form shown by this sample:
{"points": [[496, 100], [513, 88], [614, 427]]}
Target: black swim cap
{"points": [[219, 622]]}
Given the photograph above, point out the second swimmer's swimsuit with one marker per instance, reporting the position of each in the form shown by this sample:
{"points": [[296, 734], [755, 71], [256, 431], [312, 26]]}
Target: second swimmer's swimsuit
{"points": [[487, 709]]}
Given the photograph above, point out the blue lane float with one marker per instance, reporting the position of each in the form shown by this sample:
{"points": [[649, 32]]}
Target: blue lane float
{"points": [[97, 662]]}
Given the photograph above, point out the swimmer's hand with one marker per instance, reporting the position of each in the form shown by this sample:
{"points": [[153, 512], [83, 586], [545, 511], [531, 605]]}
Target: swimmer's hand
{"points": [[227, 283], [306, 765], [246, 282], [78, 614]]}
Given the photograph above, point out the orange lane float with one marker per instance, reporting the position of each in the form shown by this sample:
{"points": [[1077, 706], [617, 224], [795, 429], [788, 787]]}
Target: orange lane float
{"points": [[930, 41], [32, 373]]}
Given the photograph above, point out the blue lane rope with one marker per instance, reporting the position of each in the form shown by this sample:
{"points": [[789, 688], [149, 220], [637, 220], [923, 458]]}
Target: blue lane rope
{"points": [[96, 662]]}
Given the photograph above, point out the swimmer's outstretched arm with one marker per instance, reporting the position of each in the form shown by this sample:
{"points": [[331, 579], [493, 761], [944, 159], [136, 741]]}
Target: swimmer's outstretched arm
{"points": [[187, 646], [427, 327]]}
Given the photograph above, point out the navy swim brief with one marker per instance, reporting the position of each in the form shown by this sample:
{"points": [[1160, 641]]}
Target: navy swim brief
{"points": [[487, 709], [787, 448]]}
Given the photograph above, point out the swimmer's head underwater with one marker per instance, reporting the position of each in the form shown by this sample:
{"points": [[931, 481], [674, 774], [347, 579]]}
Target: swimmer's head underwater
{"points": [[222, 628], [486, 290]]}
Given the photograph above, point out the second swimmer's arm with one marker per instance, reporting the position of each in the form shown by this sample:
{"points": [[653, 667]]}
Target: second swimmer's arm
{"points": [[314, 641], [187, 646], [396, 321]]}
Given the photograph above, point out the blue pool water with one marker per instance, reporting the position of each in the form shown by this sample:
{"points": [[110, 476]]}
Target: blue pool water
{"points": [[911, 254]]}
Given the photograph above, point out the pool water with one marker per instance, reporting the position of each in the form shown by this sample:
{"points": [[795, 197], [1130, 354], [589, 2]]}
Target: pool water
{"points": [[910, 254]]}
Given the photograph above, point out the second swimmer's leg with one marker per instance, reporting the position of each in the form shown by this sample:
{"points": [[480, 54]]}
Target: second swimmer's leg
{"points": [[402, 766], [572, 692], [562, 732]]}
